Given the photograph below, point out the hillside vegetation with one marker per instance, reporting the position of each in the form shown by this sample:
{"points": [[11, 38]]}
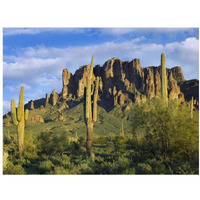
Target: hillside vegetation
{"points": [[156, 140]]}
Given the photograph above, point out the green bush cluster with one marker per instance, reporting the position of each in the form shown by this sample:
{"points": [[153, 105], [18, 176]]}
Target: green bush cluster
{"points": [[164, 140]]}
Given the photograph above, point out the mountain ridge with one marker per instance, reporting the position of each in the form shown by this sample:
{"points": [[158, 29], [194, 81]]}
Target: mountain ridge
{"points": [[122, 83]]}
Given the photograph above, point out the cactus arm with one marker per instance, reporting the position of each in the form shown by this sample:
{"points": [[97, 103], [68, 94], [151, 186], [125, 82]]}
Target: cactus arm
{"points": [[26, 115], [91, 66], [95, 96], [13, 112], [20, 110], [92, 90], [87, 101]]}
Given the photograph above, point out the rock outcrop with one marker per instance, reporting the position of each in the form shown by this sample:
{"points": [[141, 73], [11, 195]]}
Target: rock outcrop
{"points": [[47, 99], [54, 98], [66, 75], [32, 105], [190, 89], [35, 118], [177, 74], [122, 82]]}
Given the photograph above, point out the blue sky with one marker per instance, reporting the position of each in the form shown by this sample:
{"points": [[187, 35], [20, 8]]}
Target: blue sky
{"points": [[35, 57]]}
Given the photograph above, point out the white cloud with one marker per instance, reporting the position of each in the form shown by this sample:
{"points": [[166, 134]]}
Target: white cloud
{"points": [[34, 31], [187, 50], [17, 88], [42, 66], [170, 32]]}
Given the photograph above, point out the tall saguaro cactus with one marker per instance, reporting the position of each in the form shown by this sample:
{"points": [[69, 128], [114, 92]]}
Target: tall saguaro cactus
{"points": [[19, 119], [163, 80], [90, 106]]}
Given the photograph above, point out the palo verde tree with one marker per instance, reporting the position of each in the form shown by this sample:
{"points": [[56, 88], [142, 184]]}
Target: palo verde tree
{"points": [[19, 119], [90, 107]]}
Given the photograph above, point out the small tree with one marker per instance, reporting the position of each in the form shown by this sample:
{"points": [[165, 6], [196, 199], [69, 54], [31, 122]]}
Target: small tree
{"points": [[166, 132]]}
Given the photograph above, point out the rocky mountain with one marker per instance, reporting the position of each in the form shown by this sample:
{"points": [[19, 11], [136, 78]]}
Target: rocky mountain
{"points": [[123, 83]]}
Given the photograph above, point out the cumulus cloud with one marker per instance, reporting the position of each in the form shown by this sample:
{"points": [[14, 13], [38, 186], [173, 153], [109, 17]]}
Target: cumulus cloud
{"points": [[37, 64], [40, 68], [185, 54], [187, 50]]}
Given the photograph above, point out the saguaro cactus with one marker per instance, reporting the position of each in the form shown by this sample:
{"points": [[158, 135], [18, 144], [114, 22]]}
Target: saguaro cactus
{"points": [[191, 108], [163, 80], [32, 105], [19, 119], [90, 107]]}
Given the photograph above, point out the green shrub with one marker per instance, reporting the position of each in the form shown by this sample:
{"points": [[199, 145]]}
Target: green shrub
{"points": [[144, 168], [29, 143], [166, 132], [119, 143], [13, 169], [53, 143], [45, 167], [7, 140], [60, 170], [129, 171]]}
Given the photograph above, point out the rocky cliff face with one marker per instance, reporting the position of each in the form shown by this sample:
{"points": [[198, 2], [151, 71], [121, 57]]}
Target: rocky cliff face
{"points": [[123, 82]]}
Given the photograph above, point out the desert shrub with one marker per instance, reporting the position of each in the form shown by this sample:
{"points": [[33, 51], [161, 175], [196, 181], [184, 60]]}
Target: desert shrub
{"points": [[158, 167], [99, 159], [60, 170], [29, 142], [85, 168], [185, 168], [10, 168], [106, 167], [100, 140], [129, 171], [82, 140], [119, 143], [52, 144], [45, 167], [144, 168], [166, 132], [121, 165], [31, 155], [23, 162], [7, 140]]}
